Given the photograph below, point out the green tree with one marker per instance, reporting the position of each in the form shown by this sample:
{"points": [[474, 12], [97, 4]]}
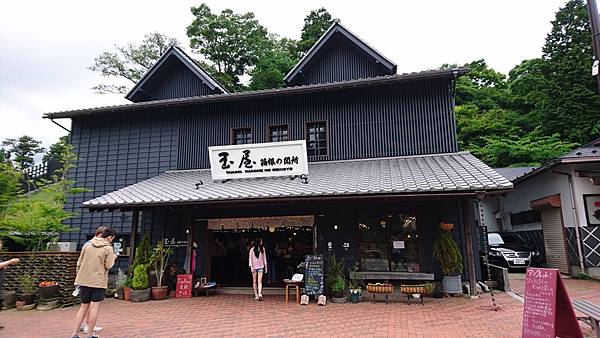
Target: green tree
{"points": [[315, 25], [572, 105], [231, 42], [274, 64], [22, 150], [130, 62], [59, 150], [9, 186]]}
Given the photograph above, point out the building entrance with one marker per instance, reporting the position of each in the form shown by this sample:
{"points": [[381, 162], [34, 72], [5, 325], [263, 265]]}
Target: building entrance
{"points": [[287, 241]]}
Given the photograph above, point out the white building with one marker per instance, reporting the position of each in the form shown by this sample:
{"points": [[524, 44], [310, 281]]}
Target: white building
{"points": [[557, 207]]}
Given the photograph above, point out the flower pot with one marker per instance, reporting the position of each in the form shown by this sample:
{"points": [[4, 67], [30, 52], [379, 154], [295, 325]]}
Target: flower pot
{"points": [[28, 298], [354, 297], [47, 292], [338, 300], [446, 226], [140, 295], [8, 299], [120, 294], [126, 293], [159, 292], [452, 284]]}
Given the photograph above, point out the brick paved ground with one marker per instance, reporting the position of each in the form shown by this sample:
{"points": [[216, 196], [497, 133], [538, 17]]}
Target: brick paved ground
{"points": [[241, 316]]}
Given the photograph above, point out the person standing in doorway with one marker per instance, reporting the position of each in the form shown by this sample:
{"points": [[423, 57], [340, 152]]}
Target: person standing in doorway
{"points": [[258, 266], [92, 277]]}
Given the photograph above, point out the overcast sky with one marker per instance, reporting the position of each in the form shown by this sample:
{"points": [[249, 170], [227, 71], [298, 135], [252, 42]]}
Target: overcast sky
{"points": [[46, 47]]}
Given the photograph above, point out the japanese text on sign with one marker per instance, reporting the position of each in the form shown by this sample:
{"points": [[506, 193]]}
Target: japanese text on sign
{"points": [[258, 160]]}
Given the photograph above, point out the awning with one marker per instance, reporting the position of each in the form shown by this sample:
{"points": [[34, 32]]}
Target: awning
{"points": [[450, 173]]}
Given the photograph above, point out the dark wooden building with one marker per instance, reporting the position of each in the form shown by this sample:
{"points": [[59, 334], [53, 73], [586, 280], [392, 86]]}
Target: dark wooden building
{"points": [[385, 168]]}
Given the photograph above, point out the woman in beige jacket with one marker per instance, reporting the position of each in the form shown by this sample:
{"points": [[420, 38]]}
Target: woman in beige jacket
{"points": [[94, 262]]}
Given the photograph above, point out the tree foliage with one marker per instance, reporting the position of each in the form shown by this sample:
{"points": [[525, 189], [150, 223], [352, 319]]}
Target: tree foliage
{"points": [[130, 62], [231, 42], [274, 64], [22, 150], [315, 25]]}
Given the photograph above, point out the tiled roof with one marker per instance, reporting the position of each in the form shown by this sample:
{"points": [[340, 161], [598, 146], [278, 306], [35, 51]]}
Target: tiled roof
{"points": [[513, 173], [454, 172]]}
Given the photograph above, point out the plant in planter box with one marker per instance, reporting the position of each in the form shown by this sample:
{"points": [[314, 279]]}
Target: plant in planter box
{"points": [[48, 289], [27, 288], [447, 254], [334, 269], [120, 282], [160, 258], [141, 291], [127, 287]]}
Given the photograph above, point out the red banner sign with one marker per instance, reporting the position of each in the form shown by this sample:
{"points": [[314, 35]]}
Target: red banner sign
{"points": [[184, 286], [547, 311]]}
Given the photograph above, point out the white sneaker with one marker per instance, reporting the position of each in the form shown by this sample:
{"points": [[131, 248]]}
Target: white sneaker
{"points": [[86, 328]]}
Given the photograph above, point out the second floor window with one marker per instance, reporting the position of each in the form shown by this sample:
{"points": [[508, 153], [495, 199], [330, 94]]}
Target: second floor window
{"points": [[242, 136], [278, 133], [316, 138]]}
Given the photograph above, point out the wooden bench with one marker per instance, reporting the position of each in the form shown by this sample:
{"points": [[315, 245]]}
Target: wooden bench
{"points": [[592, 314]]}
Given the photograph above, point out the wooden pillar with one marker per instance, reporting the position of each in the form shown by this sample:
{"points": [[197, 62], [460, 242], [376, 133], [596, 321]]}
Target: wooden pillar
{"points": [[132, 238], [469, 224]]}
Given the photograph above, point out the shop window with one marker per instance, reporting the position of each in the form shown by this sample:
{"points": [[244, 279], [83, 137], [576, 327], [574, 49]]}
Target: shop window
{"points": [[242, 136], [525, 217], [316, 138], [278, 133], [389, 243]]}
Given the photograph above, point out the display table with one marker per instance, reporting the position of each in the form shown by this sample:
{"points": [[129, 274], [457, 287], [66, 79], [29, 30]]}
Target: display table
{"points": [[206, 288], [292, 283]]}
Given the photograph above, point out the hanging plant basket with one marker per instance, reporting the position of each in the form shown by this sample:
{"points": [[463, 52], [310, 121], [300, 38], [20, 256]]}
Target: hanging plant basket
{"points": [[446, 226]]}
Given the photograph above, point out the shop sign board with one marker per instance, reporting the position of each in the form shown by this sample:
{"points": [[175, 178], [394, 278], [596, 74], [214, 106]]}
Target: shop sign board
{"points": [[547, 311], [258, 160], [313, 275], [184, 286]]}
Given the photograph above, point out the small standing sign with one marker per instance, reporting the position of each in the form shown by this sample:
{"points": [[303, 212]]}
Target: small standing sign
{"points": [[184, 286], [547, 311]]}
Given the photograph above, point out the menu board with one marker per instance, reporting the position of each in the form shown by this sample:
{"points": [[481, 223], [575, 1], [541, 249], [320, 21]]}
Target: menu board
{"points": [[184, 286], [547, 311], [313, 279]]}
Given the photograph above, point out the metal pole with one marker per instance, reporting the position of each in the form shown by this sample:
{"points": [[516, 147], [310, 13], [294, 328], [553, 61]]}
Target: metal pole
{"points": [[595, 26]]}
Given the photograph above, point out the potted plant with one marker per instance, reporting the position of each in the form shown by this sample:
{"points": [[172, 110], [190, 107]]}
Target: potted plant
{"points": [[27, 289], [120, 282], [337, 289], [141, 291], [127, 289], [355, 285], [48, 289], [447, 254], [160, 258]]}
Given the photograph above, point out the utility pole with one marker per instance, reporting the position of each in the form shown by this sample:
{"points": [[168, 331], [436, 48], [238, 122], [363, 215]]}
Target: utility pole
{"points": [[595, 25]]}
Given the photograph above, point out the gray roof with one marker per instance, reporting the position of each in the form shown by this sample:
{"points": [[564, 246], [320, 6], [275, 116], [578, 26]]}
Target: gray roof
{"points": [[265, 93], [513, 173], [589, 151], [440, 173], [337, 28], [177, 52]]}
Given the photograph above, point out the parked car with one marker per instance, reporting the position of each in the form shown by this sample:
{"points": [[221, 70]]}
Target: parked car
{"points": [[510, 250]]}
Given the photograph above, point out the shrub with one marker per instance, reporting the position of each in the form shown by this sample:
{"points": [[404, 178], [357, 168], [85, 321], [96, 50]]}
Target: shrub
{"points": [[447, 253], [140, 277]]}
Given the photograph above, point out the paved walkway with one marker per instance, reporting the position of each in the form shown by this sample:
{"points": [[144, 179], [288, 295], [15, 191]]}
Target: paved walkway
{"points": [[241, 316]]}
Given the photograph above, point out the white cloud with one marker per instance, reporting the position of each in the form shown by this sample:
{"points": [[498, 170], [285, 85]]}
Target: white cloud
{"points": [[47, 46]]}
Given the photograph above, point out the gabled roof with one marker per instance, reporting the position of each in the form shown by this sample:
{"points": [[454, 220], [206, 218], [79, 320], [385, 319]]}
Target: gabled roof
{"points": [[449, 174], [512, 173], [176, 52], [337, 28], [266, 93]]}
